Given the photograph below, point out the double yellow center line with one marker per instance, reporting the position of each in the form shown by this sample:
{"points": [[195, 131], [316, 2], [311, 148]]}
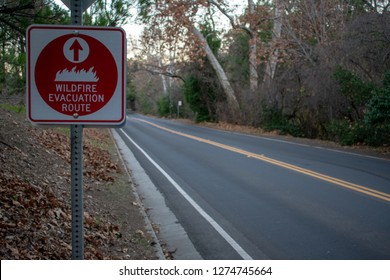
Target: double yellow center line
{"points": [[339, 182]]}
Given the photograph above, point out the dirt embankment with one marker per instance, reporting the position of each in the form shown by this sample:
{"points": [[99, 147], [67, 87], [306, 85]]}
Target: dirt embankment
{"points": [[35, 212]]}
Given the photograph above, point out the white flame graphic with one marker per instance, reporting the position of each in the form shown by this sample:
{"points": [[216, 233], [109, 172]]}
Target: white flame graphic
{"points": [[76, 75]]}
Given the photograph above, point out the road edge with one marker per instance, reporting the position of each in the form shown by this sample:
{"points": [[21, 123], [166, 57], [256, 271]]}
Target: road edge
{"points": [[148, 224], [171, 232]]}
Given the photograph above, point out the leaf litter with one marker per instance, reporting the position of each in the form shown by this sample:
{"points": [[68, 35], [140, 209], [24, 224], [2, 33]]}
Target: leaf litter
{"points": [[35, 212]]}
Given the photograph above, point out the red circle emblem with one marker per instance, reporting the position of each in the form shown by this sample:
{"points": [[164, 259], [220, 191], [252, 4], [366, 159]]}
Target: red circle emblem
{"points": [[76, 75]]}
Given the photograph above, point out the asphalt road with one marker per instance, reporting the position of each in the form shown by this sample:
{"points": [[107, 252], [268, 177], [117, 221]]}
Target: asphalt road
{"points": [[247, 197]]}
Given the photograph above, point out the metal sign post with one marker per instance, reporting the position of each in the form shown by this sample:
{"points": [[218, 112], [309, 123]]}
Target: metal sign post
{"points": [[76, 150], [77, 193], [76, 75], [179, 104]]}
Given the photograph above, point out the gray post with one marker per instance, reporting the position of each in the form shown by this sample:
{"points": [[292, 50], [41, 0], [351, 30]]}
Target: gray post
{"points": [[179, 103], [76, 150], [76, 12]]}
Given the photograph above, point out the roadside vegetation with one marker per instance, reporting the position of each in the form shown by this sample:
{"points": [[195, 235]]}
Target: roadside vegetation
{"points": [[316, 69]]}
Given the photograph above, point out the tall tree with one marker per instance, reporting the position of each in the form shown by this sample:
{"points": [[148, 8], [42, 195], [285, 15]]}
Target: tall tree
{"points": [[108, 13], [170, 20], [222, 77], [252, 19], [253, 74], [274, 49], [15, 17], [312, 23]]}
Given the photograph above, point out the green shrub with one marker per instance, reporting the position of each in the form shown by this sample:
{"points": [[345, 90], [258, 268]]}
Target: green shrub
{"points": [[200, 98], [164, 104], [352, 87], [273, 119], [144, 104], [371, 123], [355, 91], [346, 132], [377, 117]]}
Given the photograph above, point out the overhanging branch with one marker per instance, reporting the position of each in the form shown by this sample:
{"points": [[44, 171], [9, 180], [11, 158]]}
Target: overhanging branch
{"points": [[21, 7], [155, 70]]}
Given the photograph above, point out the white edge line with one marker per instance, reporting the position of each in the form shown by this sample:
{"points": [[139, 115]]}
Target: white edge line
{"points": [[159, 251], [206, 216]]}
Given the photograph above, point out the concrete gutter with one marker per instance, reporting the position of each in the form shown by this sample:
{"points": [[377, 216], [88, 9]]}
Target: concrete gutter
{"points": [[170, 232]]}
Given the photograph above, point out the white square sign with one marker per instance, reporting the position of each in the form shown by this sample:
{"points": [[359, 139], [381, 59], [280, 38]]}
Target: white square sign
{"points": [[76, 75]]}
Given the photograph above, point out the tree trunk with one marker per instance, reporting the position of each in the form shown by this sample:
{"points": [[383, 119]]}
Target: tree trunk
{"points": [[253, 75], [2, 61], [172, 57], [163, 78], [224, 81], [276, 33]]}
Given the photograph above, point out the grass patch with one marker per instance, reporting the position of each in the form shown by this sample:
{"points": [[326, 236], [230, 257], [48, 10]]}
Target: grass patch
{"points": [[14, 108], [64, 130]]}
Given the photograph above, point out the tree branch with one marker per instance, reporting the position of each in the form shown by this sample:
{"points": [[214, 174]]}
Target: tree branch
{"points": [[231, 19], [13, 26], [157, 71], [5, 10]]}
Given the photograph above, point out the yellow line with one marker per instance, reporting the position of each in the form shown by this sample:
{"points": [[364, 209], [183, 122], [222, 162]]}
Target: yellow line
{"points": [[339, 182]]}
